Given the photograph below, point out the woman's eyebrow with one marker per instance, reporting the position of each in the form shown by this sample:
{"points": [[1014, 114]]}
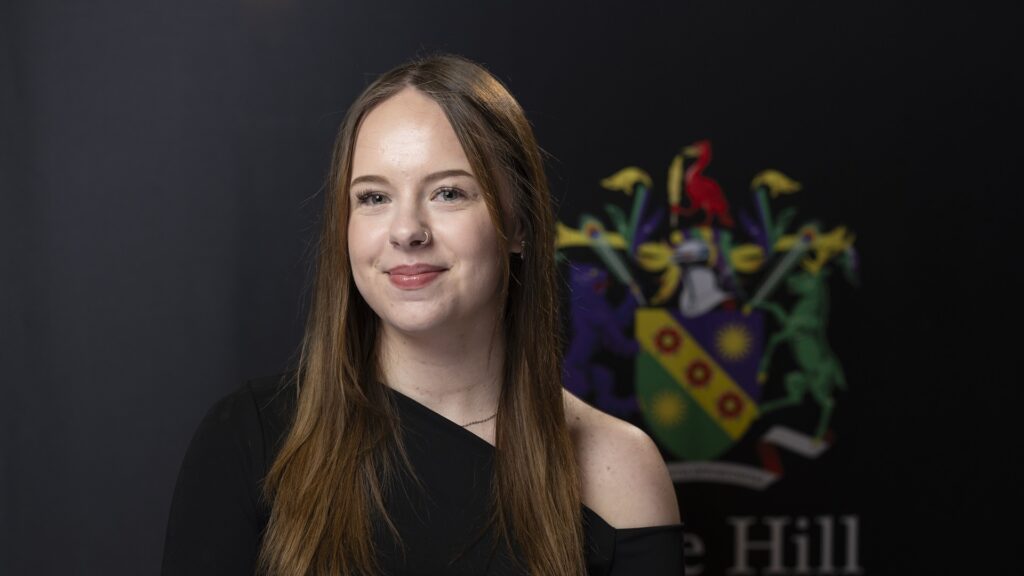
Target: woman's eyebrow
{"points": [[369, 178], [433, 176], [446, 174]]}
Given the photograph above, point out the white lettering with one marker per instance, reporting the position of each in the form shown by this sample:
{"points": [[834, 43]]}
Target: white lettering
{"points": [[800, 542], [811, 551], [826, 544], [852, 524], [693, 548], [742, 544]]}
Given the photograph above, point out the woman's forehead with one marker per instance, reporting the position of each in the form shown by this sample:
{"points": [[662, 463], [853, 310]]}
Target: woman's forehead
{"points": [[407, 134]]}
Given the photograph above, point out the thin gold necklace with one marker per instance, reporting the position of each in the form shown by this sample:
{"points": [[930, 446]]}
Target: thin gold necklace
{"points": [[480, 421]]}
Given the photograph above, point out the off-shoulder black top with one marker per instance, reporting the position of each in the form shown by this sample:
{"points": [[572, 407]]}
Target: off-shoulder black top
{"points": [[217, 515]]}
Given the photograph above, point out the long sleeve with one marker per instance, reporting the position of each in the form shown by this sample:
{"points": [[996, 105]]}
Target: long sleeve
{"points": [[215, 521]]}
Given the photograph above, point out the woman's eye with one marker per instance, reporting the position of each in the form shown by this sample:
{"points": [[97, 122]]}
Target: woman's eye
{"points": [[449, 194], [371, 198]]}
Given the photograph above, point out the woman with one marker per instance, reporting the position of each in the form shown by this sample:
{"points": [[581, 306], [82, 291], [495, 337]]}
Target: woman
{"points": [[426, 430]]}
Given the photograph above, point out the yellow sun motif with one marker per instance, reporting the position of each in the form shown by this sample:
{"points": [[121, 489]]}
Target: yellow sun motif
{"points": [[668, 409], [733, 342]]}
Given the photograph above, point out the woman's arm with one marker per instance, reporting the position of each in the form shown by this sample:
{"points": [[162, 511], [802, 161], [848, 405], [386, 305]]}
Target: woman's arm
{"points": [[624, 476], [626, 483]]}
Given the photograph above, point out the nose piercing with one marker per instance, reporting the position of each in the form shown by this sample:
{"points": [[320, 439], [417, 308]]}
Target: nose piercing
{"points": [[426, 237]]}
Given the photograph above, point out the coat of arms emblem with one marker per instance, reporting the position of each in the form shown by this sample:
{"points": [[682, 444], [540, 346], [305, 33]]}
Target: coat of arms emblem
{"points": [[723, 318]]}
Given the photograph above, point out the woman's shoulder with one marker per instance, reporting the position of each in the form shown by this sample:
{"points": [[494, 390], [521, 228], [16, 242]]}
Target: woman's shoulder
{"points": [[624, 477], [218, 510], [273, 398], [259, 401], [250, 421]]}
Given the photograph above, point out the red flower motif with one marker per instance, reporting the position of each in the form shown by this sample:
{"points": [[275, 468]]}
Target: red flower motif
{"points": [[667, 340], [730, 405], [698, 373]]}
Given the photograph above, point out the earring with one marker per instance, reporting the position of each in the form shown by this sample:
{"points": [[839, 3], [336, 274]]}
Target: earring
{"points": [[522, 251]]}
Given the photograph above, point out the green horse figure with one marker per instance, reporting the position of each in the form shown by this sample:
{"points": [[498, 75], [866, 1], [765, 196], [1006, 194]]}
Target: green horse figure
{"points": [[818, 370]]}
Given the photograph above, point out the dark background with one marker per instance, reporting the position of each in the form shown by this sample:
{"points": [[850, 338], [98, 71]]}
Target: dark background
{"points": [[160, 185]]}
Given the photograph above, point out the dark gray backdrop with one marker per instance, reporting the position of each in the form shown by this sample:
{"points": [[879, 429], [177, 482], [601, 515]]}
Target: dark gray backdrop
{"points": [[161, 167]]}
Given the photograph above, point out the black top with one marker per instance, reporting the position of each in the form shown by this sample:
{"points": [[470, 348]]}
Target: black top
{"points": [[217, 515]]}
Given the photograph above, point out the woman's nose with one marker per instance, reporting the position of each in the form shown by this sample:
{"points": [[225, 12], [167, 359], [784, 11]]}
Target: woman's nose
{"points": [[408, 229]]}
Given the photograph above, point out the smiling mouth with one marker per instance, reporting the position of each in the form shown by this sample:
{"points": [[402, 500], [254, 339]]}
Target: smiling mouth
{"points": [[413, 277]]}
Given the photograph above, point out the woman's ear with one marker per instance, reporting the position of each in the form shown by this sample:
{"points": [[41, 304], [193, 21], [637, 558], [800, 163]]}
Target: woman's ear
{"points": [[517, 240]]}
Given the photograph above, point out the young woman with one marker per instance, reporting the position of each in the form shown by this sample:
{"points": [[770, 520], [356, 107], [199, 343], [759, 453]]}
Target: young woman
{"points": [[426, 430]]}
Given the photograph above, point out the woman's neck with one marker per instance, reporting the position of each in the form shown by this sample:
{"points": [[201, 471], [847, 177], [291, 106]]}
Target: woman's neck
{"points": [[458, 376]]}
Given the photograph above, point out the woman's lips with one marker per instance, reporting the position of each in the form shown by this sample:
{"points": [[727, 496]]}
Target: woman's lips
{"points": [[413, 277]]}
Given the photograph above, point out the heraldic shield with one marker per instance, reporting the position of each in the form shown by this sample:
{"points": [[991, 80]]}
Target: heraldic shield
{"points": [[696, 378]]}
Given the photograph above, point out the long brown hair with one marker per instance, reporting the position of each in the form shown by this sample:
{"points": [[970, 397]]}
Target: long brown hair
{"points": [[344, 445]]}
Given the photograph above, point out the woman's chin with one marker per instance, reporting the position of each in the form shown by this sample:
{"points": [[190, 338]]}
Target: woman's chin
{"points": [[415, 325]]}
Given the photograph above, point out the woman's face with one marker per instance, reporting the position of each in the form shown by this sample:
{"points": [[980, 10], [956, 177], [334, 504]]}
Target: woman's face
{"points": [[421, 243]]}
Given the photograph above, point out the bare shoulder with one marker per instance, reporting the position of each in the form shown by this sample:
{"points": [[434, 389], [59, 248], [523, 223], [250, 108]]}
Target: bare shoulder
{"points": [[625, 480]]}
